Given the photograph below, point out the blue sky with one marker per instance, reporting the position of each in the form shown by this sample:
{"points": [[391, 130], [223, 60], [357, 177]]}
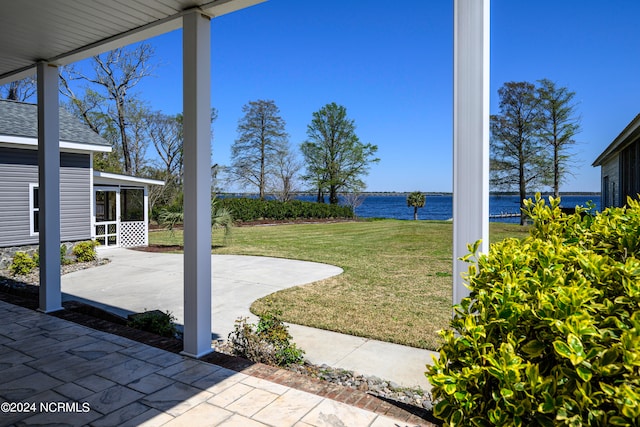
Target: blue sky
{"points": [[390, 64]]}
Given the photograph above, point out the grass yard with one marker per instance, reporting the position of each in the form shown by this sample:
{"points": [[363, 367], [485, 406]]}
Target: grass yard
{"points": [[396, 284]]}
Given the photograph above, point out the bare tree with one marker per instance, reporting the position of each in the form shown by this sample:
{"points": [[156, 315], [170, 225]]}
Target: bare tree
{"points": [[20, 90], [165, 132], [353, 199], [109, 106], [286, 167], [137, 135]]}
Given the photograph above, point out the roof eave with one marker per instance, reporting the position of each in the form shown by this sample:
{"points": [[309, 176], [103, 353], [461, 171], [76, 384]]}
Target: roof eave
{"points": [[21, 142], [114, 178], [213, 9], [628, 135]]}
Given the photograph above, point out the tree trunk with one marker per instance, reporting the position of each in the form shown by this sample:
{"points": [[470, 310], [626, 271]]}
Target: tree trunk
{"points": [[556, 171], [333, 195], [263, 159], [523, 191], [415, 213], [126, 153]]}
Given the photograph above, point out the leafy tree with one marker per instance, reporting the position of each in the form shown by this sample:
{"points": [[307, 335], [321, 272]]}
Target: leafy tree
{"points": [[416, 200], [20, 90], [109, 107], [560, 125], [261, 140], [335, 158], [517, 153]]}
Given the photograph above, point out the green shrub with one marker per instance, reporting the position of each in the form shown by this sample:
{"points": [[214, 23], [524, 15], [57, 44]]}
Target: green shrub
{"points": [[246, 209], [550, 334], [85, 251], [63, 255], [22, 264], [267, 342], [154, 321]]}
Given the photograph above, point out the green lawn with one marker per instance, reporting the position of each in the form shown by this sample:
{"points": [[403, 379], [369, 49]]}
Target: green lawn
{"points": [[396, 284]]}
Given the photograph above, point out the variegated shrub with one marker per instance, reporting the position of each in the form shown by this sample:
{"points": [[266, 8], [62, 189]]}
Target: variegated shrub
{"points": [[550, 334]]}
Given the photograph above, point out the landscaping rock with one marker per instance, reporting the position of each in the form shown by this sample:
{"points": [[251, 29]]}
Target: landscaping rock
{"points": [[370, 384]]}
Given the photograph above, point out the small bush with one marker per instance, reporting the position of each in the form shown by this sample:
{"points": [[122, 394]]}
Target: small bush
{"points": [[63, 255], [85, 251], [550, 334], [154, 321], [22, 264], [267, 342]]}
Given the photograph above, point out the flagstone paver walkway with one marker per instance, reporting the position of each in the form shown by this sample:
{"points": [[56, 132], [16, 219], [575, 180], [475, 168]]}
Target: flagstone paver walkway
{"points": [[53, 371]]}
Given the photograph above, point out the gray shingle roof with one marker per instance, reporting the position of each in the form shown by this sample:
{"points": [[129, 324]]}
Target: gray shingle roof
{"points": [[21, 119]]}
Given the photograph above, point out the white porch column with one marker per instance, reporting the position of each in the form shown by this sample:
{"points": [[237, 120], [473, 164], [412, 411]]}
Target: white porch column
{"points": [[197, 183], [145, 216], [49, 187], [470, 133]]}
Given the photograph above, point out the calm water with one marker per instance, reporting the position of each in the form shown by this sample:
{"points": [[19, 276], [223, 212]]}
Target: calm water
{"points": [[441, 207]]}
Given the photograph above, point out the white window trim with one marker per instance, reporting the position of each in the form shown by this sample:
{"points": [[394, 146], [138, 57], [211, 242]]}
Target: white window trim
{"points": [[32, 209]]}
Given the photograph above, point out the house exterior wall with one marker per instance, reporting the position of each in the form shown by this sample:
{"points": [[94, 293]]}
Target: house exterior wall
{"points": [[610, 193], [630, 172], [18, 171]]}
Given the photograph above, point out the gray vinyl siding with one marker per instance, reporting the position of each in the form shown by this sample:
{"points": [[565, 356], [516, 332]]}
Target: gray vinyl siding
{"points": [[18, 169], [611, 169]]}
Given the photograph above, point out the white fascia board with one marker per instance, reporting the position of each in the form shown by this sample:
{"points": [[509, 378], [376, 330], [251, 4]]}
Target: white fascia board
{"points": [[114, 178], [64, 145]]}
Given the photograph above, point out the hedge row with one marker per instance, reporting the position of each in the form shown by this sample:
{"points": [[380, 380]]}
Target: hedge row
{"points": [[245, 209]]}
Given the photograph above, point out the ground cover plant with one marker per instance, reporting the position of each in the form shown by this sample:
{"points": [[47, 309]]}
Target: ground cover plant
{"points": [[550, 334], [396, 284]]}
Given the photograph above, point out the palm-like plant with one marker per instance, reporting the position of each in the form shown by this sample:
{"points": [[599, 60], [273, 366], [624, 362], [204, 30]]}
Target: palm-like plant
{"points": [[220, 218], [417, 200]]}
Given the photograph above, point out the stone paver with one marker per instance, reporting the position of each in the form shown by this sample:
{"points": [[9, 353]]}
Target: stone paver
{"points": [[100, 379]]}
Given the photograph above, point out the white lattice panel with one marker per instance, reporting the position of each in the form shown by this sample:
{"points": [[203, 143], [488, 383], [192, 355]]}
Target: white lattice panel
{"points": [[133, 234]]}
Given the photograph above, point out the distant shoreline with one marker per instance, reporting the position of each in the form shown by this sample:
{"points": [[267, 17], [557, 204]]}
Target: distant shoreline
{"points": [[430, 193]]}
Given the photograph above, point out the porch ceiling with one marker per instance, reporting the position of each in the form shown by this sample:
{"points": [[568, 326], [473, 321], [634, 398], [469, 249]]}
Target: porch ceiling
{"points": [[65, 31]]}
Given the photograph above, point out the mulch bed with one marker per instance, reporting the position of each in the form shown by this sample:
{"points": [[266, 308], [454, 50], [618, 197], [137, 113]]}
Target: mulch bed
{"points": [[26, 295]]}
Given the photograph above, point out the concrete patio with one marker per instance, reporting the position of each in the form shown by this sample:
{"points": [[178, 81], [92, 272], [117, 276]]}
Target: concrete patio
{"points": [[108, 380], [136, 281]]}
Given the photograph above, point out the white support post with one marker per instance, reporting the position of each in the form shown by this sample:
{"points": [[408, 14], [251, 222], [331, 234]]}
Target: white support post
{"points": [[470, 134], [197, 183], [49, 187], [146, 214]]}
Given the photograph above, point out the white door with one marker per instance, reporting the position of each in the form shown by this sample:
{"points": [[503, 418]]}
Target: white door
{"points": [[107, 210]]}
